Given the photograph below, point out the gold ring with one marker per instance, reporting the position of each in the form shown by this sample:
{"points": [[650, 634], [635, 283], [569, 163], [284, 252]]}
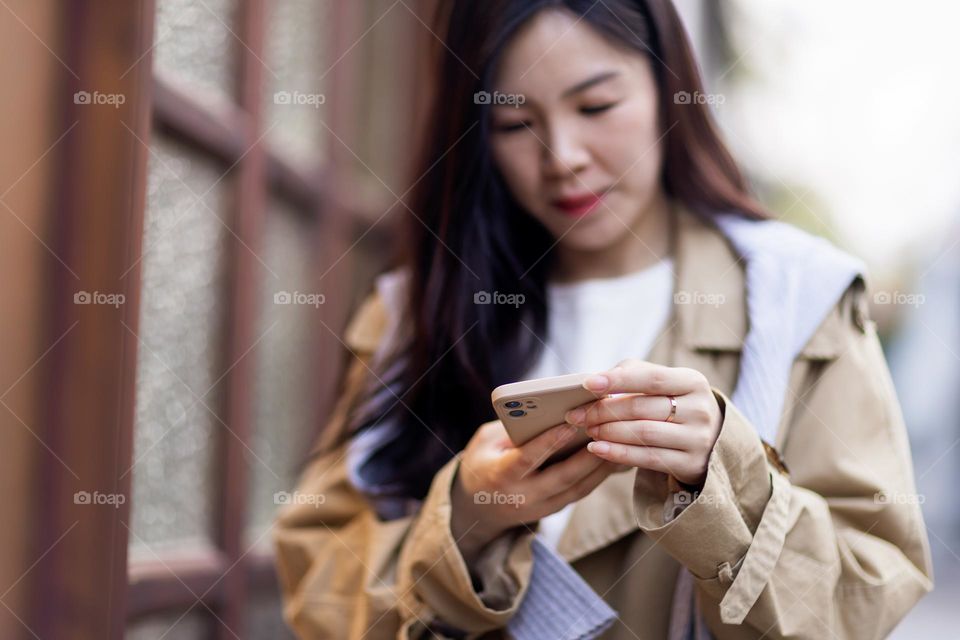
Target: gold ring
{"points": [[673, 409]]}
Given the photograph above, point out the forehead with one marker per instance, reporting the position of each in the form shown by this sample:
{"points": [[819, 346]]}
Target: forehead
{"points": [[553, 51]]}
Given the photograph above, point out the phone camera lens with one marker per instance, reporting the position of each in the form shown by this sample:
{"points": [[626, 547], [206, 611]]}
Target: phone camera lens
{"points": [[513, 404], [516, 413]]}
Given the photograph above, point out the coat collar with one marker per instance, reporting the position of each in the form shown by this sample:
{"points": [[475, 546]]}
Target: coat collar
{"points": [[710, 293], [710, 310]]}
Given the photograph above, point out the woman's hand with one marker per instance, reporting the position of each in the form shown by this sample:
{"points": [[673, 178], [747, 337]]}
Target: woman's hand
{"points": [[631, 429], [499, 487]]}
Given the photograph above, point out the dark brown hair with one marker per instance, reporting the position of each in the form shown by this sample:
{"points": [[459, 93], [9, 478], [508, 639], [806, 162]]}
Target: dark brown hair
{"points": [[468, 235]]}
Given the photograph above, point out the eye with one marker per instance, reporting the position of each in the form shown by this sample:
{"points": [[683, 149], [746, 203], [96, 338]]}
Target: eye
{"points": [[511, 128], [595, 109]]}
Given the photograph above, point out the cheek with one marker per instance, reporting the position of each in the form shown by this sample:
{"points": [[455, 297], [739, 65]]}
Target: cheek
{"points": [[632, 149]]}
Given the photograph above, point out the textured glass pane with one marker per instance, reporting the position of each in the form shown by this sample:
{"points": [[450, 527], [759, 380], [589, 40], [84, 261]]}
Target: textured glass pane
{"points": [[265, 620], [386, 96], [184, 248], [196, 45], [286, 376], [298, 33], [170, 626]]}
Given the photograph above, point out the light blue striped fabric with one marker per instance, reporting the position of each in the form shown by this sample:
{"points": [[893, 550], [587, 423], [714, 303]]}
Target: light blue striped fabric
{"points": [[559, 603], [793, 280]]}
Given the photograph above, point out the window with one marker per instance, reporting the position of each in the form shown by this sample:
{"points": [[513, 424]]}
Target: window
{"points": [[268, 143]]}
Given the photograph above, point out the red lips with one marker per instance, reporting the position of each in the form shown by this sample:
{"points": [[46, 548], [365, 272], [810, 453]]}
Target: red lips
{"points": [[578, 205]]}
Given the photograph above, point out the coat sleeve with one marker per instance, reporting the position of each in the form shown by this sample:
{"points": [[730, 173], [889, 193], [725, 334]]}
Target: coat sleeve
{"points": [[344, 573], [830, 544]]}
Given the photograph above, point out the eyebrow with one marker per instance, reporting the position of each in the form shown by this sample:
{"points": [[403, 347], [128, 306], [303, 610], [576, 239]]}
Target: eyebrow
{"points": [[603, 76], [589, 82]]}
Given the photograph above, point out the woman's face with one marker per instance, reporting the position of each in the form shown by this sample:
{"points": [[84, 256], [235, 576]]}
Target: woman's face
{"points": [[582, 152]]}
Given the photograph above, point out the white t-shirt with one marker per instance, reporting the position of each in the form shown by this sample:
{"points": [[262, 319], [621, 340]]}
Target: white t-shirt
{"points": [[593, 325]]}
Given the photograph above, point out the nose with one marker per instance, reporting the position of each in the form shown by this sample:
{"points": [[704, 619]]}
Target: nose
{"points": [[563, 154]]}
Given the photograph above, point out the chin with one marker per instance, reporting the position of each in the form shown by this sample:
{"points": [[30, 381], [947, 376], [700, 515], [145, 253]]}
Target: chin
{"points": [[596, 239], [596, 235]]}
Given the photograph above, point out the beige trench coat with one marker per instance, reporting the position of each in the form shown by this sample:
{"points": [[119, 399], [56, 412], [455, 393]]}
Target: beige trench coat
{"points": [[816, 535]]}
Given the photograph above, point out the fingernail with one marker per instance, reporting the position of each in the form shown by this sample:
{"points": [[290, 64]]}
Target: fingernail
{"points": [[596, 383], [593, 431], [575, 416], [598, 447]]}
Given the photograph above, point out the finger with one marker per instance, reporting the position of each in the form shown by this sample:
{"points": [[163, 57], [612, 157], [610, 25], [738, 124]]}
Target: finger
{"points": [[564, 474], [640, 376], [580, 489], [630, 406], [491, 436], [648, 433], [491, 430], [671, 461], [531, 454]]}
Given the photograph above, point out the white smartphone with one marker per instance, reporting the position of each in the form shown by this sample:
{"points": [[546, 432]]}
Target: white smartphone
{"points": [[530, 407]]}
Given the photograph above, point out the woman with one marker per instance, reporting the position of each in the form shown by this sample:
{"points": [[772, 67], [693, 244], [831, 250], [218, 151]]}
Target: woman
{"points": [[578, 212]]}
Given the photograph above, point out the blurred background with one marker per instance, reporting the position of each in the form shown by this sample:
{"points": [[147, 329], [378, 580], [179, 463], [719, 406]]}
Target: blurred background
{"points": [[195, 194]]}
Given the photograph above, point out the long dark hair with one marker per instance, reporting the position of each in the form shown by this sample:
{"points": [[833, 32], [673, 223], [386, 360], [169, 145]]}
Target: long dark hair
{"points": [[468, 235]]}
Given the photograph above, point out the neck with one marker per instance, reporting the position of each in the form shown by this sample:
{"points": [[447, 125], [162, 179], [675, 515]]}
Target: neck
{"points": [[645, 243]]}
